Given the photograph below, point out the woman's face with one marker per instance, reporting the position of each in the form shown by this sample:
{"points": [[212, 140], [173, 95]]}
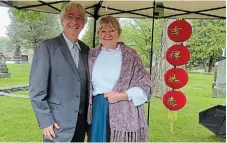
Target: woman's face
{"points": [[108, 36]]}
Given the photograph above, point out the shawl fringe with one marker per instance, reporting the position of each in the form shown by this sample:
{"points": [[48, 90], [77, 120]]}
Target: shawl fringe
{"points": [[140, 135]]}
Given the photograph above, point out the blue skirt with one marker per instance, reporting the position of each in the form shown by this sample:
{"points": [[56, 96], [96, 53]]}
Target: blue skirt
{"points": [[100, 130]]}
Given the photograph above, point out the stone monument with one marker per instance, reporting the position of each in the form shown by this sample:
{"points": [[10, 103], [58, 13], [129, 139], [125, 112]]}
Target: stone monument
{"points": [[24, 59], [3, 67], [17, 55], [219, 83]]}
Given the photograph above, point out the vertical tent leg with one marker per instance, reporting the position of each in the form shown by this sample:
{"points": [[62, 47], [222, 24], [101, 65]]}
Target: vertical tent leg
{"points": [[151, 57], [96, 17], [94, 33]]}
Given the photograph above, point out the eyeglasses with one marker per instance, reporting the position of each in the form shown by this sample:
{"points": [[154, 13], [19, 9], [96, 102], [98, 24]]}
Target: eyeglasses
{"points": [[71, 17]]}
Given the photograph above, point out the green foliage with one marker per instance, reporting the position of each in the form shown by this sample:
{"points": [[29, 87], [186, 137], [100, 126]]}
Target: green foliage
{"points": [[26, 15], [5, 44], [88, 36], [27, 28], [206, 43], [138, 34]]}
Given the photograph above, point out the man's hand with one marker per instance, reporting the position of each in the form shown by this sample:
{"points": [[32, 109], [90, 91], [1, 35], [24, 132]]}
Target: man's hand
{"points": [[114, 97], [48, 132]]}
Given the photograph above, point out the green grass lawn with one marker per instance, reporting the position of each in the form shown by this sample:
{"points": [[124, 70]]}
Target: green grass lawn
{"points": [[18, 123], [19, 75], [186, 128]]}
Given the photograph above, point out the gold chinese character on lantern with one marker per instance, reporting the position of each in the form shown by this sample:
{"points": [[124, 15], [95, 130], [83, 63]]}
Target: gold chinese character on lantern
{"points": [[175, 31], [173, 79], [175, 54], [171, 101]]}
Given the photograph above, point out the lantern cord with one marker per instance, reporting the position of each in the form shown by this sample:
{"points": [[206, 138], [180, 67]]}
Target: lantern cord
{"points": [[172, 115], [171, 127], [175, 115]]}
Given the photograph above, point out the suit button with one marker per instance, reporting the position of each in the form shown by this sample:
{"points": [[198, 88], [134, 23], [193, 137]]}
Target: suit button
{"points": [[77, 96]]}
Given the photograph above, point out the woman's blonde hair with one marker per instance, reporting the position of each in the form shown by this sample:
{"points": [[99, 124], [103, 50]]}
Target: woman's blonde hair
{"points": [[74, 5], [110, 20]]}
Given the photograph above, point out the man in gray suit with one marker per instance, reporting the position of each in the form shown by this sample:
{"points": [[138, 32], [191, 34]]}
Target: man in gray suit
{"points": [[59, 80]]}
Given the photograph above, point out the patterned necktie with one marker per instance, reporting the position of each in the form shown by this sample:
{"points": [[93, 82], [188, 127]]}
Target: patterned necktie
{"points": [[76, 55]]}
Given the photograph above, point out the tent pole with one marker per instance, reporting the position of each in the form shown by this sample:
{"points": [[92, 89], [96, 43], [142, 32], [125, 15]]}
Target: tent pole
{"points": [[96, 17], [94, 32], [151, 56]]}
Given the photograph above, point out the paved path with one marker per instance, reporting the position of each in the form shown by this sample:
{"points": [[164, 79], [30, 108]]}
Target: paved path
{"points": [[13, 95]]}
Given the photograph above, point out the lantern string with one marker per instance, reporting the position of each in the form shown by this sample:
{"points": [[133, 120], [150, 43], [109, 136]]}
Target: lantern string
{"points": [[171, 127], [175, 115], [175, 30], [172, 115]]}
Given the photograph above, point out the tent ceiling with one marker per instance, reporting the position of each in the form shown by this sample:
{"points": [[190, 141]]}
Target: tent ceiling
{"points": [[132, 9]]}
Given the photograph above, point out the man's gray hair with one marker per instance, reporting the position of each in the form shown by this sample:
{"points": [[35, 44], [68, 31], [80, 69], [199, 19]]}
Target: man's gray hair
{"points": [[74, 5]]}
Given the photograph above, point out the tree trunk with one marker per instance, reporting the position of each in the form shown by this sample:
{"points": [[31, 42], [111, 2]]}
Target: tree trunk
{"points": [[210, 66], [160, 64], [205, 66]]}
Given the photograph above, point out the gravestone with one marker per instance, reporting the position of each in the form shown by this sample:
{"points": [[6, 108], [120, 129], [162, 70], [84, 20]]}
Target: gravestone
{"points": [[24, 59], [3, 67], [219, 84]]}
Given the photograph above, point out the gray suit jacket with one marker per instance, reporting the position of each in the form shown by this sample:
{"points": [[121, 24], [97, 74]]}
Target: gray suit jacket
{"points": [[55, 86]]}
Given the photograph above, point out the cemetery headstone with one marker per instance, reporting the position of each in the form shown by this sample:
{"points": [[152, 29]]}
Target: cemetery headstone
{"points": [[219, 84], [3, 67]]}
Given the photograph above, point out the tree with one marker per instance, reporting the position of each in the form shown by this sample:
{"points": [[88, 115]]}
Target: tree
{"points": [[88, 36], [5, 44], [138, 34], [27, 28], [206, 43]]}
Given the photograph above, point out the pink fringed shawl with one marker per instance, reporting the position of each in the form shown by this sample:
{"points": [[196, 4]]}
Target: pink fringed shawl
{"points": [[127, 122]]}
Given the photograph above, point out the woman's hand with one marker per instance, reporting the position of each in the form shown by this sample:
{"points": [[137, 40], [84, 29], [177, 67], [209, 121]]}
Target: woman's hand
{"points": [[114, 97]]}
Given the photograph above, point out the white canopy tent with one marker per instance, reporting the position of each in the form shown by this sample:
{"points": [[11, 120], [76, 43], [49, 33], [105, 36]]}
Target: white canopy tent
{"points": [[132, 9]]}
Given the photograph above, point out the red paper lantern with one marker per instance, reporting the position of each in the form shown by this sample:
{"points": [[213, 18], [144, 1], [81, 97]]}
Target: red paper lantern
{"points": [[174, 100], [177, 55], [179, 31], [176, 78]]}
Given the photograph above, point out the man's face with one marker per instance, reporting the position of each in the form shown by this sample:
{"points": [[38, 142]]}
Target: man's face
{"points": [[72, 22]]}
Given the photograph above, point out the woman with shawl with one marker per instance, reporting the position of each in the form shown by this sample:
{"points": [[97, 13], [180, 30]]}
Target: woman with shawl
{"points": [[120, 85]]}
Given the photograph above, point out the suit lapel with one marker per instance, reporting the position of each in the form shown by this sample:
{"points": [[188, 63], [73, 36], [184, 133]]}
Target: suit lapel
{"points": [[84, 54], [65, 50]]}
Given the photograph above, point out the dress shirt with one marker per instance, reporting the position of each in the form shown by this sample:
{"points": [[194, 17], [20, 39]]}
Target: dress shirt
{"points": [[74, 49], [106, 72]]}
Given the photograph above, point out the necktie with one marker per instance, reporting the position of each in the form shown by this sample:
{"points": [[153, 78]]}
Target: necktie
{"points": [[76, 55]]}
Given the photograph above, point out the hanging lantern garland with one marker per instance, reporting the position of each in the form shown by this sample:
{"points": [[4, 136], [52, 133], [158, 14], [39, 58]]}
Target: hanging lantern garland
{"points": [[179, 31], [177, 55]]}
